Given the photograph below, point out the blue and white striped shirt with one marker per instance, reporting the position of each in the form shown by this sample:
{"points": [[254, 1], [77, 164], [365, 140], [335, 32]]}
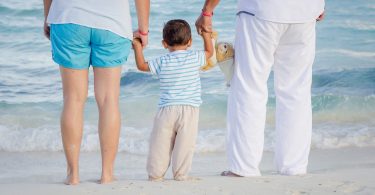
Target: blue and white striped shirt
{"points": [[178, 73]]}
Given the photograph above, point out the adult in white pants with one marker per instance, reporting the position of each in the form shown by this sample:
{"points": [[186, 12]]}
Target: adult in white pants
{"points": [[279, 35]]}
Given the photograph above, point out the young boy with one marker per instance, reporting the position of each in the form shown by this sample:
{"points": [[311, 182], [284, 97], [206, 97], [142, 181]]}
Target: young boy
{"points": [[176, 122]]}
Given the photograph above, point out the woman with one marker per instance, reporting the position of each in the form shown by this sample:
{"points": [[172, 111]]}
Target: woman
{"points": [[96, 33]]}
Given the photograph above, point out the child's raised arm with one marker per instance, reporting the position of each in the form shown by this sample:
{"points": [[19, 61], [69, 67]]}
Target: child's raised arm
{"points": [[139, 58], [208, 47]]}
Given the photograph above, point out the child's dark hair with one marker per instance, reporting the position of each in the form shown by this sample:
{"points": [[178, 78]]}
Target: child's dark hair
{"points": [[176, 32]]}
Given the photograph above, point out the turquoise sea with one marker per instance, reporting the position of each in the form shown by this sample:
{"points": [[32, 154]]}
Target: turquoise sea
{"points": [[31, 96]]}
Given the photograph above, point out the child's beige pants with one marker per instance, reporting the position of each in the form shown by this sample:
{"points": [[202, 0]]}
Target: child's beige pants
{"points": [[173, 135]]}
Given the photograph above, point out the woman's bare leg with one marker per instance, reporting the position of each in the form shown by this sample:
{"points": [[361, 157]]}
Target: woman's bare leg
{"points": [[75, 84], [107, 91]]}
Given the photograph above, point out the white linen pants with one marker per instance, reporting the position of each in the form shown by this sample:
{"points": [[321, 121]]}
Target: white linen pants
{"points": [[173, 141], [290, 50]]}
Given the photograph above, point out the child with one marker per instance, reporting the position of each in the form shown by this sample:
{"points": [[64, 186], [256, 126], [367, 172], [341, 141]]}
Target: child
{"points": [[176, 122]]}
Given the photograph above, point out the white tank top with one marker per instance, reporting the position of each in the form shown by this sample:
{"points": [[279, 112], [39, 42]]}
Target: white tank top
{"points": [[283, 11], [112, 15]]}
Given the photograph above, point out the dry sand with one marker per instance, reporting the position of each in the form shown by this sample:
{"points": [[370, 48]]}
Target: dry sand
{"points": [[338, 171]]}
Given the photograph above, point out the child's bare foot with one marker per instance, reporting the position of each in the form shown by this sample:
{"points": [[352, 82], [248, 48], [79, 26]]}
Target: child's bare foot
{"points": [[155, 179], [71, 180], [229, 174]]}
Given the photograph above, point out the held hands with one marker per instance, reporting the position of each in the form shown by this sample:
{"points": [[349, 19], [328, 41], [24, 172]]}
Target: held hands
{"points": [[141, 36], [206, 35], [204, 24]]}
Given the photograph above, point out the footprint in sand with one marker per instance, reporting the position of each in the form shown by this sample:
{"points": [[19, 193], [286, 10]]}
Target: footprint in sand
{"points": [[262, 181], [296, 192], [349, 187]]}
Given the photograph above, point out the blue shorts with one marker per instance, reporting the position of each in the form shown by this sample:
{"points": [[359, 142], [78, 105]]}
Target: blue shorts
{"points": [[77, 47]]}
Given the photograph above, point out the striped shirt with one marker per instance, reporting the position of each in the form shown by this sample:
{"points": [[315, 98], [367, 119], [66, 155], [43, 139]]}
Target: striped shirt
{"points": [[178, 73]]}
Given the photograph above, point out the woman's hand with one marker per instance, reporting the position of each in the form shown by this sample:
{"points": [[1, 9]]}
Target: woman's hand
{"points": [[47, 30]]}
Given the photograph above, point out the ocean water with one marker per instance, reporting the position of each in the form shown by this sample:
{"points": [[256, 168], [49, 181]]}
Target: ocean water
{"points": [[31, 96]]}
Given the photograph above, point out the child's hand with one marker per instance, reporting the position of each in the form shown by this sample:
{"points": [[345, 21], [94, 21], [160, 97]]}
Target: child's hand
{"points": [[205, 34], [137, 43]]}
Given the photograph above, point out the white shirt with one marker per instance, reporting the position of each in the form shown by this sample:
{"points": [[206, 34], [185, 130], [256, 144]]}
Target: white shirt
{"points": [[112, 15], [283, 11]]}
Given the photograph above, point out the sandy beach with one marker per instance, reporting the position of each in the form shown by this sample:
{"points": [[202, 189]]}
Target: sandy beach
{"points": [[339, 171], [342, 160]]}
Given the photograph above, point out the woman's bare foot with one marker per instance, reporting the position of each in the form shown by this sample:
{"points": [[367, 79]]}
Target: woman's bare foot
{"points": [[107, 179], [71, 180], [72, 177], [229, 174]]}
